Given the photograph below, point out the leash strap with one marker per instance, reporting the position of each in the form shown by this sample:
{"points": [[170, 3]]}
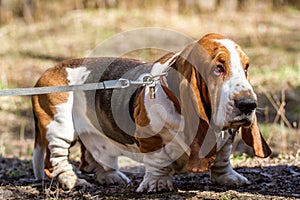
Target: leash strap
{"points": [[144, 79]]}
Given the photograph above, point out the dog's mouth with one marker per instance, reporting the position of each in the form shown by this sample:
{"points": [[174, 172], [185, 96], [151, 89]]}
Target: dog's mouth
{"points": [[233, 118], [239, 121]]}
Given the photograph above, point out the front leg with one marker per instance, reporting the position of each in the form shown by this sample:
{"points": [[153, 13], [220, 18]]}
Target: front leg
{"points": [[222, 172], [156, 178]]}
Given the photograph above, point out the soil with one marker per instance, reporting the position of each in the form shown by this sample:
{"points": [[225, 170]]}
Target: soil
{"points": [[272, 178]]}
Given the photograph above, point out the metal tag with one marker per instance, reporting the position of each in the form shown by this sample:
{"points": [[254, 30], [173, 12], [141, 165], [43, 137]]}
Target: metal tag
{"points": [[152, 90]]}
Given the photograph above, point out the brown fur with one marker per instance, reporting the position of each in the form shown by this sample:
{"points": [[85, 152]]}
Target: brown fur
{"points": [[165, 58], [140, 113]]}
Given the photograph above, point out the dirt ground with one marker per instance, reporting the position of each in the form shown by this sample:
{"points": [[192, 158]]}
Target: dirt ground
{"points": [[272, 178]]}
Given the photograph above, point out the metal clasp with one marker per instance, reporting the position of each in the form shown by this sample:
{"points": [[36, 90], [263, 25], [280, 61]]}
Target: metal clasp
{"points": [[145, 78], [148, 80], [124, 83]]}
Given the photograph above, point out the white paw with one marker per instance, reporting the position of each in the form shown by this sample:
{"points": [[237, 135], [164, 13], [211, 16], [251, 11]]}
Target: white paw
{"points": [[112, 177], [153, 183], [65, 175], [229, 178], [67, 179]]}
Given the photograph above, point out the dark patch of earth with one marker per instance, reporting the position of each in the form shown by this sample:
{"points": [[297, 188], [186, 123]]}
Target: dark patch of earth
{"points": [[271, 179]]}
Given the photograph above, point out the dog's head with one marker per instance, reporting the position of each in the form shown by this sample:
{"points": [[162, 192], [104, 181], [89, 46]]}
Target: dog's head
{"points": [[217, 71], [232, 97]]}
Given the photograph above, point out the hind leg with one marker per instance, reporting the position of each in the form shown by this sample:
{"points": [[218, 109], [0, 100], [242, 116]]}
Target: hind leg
{"points": [[105, 174], [60, 134], [55, 131]]}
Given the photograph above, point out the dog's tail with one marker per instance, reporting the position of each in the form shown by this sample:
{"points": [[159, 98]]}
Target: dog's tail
{"points": [[38, 153]]}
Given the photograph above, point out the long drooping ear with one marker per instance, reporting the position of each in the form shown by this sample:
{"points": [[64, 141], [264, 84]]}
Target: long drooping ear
{"points": [[253, 137], [197, 130], [195, 107]]}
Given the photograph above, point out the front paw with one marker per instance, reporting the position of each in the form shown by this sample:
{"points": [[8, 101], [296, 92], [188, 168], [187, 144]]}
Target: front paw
{"points": [[112, 177], [153, 183], [229, 178]]}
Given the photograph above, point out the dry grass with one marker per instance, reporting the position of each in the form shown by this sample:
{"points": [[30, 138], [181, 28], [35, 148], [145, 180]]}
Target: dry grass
{"points": [[270, 39]]}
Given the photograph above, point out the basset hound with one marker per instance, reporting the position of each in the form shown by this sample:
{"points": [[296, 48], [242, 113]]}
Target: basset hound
{"points": [[183, 121]]}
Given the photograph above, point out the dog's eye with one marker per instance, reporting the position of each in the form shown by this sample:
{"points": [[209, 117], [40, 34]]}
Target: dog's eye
{"points": [[219, 70]]}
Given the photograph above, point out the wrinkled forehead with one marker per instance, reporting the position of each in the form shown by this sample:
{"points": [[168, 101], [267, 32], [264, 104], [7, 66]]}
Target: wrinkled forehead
{"points": [[216, 44]]}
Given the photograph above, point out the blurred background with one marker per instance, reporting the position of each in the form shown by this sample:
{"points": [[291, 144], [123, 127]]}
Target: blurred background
{"points": [[36, 34]]}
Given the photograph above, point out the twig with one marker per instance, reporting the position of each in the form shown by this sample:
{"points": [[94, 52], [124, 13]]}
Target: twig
{"points": [[277, 108]]}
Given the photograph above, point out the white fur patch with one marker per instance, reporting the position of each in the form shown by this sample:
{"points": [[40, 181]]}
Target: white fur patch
{"points": [[60, 132], [159, 68], [161, 111], [81, 121], [235, 61], [77, 75]]}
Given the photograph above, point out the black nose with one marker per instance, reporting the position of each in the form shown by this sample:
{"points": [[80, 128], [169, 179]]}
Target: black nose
{"points": [[246, 105]]}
